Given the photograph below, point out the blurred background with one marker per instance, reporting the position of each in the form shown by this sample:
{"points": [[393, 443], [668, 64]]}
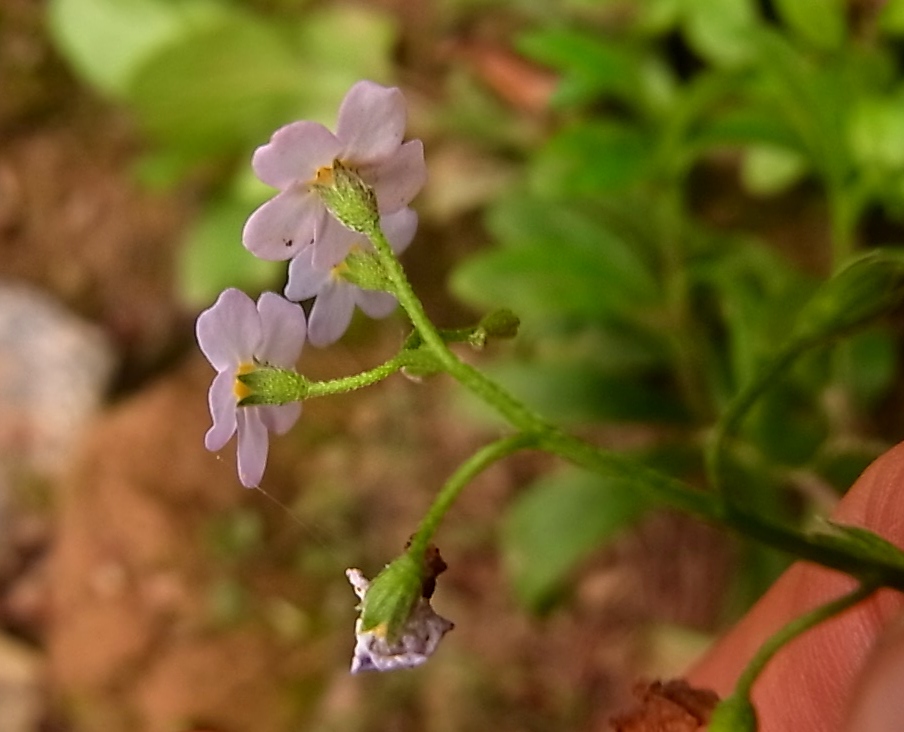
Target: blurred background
{"points": [[654, 187]]}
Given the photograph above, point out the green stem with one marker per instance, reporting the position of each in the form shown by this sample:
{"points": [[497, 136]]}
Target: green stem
{"points": [[516, 412], [654, 484], [731, 419], [465, 473], [789, 632], [708, 507], [356, 381]]}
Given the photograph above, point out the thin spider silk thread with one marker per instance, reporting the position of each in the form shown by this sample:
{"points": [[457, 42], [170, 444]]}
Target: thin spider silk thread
{"points": [[317, 534]]}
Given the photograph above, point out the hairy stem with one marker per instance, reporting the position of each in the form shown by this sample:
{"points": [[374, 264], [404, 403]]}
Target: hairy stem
{"points": [[466, 472]]}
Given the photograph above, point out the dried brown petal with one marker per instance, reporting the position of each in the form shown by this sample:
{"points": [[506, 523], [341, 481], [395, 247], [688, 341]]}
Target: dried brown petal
{"points": [[673, 706]]}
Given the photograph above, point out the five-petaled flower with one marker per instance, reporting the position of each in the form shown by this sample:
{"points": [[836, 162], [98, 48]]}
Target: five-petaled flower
{"points": [[336, 297], [368, 141], [235, 335]]}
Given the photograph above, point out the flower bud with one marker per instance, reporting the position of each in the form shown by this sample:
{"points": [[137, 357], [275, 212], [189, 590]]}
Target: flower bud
{"points": [[271, 385], [347, 197], [502, 323]]}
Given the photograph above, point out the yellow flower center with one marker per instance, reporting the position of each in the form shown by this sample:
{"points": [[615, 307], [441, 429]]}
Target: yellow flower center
{"points": [[340, 269], [238, 388], [324, 176]]}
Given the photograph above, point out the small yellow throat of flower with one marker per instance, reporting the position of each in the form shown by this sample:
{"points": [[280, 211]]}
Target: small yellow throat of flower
{"points": [[338, 272], [324, 176], [238, 388]]}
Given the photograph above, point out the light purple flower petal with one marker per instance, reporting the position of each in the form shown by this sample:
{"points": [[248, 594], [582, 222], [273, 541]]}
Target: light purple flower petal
{"points": [[375, 304], [229, 331], [399, 228], [284, 225], [334, 243], [371, 123], [305, 281], [283, 329], [399, 179], [253, 447], [279, 419], [331, 314], [222, 401], [294, 154]]}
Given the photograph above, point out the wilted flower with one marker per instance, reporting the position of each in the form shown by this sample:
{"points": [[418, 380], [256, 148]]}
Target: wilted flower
{"points": [[235, 336], [416, 642], [368, 142], [336, 296]]}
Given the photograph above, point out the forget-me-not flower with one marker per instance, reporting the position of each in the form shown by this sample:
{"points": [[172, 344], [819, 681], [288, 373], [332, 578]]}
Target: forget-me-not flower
{"points": [[368, 141], [235, 336], [336, 297]]}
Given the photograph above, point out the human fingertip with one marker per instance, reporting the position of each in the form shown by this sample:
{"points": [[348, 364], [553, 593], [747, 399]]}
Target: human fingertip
{"points": [[878, 702]]}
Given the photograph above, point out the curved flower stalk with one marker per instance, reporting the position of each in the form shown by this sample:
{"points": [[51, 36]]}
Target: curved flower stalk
{"points": [[336, 295], [235, 336], [303, 155]]}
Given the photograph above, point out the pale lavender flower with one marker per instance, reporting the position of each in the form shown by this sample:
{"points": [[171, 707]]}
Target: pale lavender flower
{"points": [[234, 334], [418, 640], [336, 296], [368, 140]]}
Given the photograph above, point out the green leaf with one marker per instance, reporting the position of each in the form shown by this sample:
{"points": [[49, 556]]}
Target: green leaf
{"points": [[213, 257], [755, 289], [341, 44], [580, 392], [767, 170], [218, 89], [821, 23], [813, 100], [557, 261], [891, 17], [753, 124], [785, 426], [591, 66], [719, 30], [869, 365], [658, 16], [591, 158], [557, 522], [876, 132], [107, 40]]}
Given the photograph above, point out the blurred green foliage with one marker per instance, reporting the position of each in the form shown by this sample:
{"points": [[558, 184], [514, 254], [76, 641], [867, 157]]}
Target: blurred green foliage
{"points": [[210, 80], [638, 310]]}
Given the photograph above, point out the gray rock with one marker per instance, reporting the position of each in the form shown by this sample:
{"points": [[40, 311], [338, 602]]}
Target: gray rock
{"points": [[54, 371]]}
